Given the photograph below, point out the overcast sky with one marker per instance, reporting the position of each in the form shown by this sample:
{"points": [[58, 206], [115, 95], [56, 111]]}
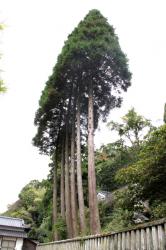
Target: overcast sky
{"points": [[34, 35]]}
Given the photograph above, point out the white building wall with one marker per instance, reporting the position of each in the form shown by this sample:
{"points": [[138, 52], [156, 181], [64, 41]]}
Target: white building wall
{"points": [[19, 244]]}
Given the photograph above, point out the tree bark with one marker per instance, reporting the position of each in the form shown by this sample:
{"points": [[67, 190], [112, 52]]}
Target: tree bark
{"points": [[55, 233], [93, 204], [67, 187], [67, 175], [62, 183], [79, 173], [72, 177]]}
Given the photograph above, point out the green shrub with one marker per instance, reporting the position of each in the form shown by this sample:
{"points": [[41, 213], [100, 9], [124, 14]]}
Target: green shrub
{"points": [[158, 209], [60, 227], [119, 220]]}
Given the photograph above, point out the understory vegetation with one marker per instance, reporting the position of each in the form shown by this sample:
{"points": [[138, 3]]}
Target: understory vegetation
{"points": [[131, 171]]}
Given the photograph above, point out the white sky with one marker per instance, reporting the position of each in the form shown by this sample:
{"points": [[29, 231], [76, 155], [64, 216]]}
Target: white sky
{"points": [[34, 36]]}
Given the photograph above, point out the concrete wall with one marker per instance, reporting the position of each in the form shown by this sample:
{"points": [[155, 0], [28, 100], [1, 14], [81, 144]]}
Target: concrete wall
{"points": [[19, 244]]}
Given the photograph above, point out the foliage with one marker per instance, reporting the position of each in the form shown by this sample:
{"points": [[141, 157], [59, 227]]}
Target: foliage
{"points": [[158, 208], [132, 127], [60, 227], [140, 177], [44, 231], [91, 54], [144, 180], [164, 113], [105, 211], [114, 156], [34, 207], [150, 170], [119, 220], [2, 86], [109, 159], [121, 213]]}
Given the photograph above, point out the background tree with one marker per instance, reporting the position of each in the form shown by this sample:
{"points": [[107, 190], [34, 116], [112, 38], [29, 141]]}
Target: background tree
{"points": [[149, 171], [34, 208], [109, 159], [125, 199], [125, 151], [2, 86], [146, 178], [133, 127], [165, 113]]}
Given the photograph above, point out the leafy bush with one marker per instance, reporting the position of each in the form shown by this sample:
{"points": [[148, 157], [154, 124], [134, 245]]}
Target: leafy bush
{"points": [[120, 219], [60, 227], [105, 211], [149, 171], [158, 209]]}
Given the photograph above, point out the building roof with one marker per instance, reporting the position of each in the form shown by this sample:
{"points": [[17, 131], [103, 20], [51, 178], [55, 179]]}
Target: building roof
{"points": [[11, 222], [12, 227], [9, 233]]}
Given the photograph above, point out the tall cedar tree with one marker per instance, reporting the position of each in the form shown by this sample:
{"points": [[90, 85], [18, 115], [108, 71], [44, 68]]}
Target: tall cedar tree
{"points": [[49, 121], [94, 54], [62, 188], [53, 109], [55, 211], [93, 59], [72, 170], [79, 170]]}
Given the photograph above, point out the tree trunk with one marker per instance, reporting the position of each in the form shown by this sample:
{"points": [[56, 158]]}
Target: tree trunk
{"points": [[72, 177], [93, 204], [67, 186], [62, 183], [79, 173], [67, 176], [55, 234]]}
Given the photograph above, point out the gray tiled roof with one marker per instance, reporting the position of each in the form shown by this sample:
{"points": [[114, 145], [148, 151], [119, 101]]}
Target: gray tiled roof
{"points": [[11, 222], [9, 233]]}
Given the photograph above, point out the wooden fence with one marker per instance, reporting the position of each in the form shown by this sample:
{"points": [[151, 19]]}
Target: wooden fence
{"points": [[149, 236]]}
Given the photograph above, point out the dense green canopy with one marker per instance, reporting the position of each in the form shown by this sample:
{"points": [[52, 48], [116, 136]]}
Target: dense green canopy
{"points": [[91, 54]]}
